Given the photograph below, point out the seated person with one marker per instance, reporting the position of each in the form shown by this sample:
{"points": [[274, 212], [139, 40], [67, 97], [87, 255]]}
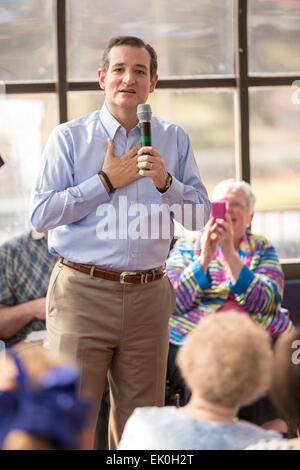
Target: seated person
{"points": [[40, 407], [285, 386], [226, 361], [25, 269], [222, 267]]}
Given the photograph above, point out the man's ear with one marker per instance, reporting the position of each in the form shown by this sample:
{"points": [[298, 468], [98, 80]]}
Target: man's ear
{"points": [[101, 76], [153, 83]]}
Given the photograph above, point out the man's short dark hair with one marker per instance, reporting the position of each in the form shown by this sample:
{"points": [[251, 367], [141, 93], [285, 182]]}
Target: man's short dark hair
{"points": [[130, 41]]}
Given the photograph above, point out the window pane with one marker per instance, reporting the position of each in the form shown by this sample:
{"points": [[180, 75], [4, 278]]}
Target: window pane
{"points": [[275, 167], [83, 102], [274, 36], [26, 40], [21, 143], [191, 37], [207, 116]]}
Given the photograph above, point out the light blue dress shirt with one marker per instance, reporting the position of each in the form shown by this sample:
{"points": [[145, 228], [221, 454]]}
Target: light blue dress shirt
{"points": [[130, 228]]}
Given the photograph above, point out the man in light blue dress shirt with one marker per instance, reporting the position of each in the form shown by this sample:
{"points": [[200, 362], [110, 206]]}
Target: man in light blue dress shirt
{"points": [[109, 205]]}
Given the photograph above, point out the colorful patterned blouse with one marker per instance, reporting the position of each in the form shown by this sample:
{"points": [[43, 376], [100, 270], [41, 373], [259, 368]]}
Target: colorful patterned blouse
{"points": [[258, 290]]}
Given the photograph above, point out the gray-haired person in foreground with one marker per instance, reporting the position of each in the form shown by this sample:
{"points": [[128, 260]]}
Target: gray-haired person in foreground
{"points": [[226, 362]]}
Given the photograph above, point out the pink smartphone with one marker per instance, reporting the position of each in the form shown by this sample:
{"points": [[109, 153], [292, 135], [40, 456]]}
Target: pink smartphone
{"points": [[218, 209]]}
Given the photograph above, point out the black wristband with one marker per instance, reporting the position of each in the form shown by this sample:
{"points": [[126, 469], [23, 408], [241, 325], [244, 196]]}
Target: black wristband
{"points": [[107, 180]]}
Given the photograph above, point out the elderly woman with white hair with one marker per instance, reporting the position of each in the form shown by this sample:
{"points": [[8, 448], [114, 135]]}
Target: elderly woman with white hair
{"points": [[226, 362], [222, 267]]}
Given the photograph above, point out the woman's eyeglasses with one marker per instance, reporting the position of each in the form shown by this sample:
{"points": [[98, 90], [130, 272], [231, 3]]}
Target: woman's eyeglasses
{"points": [[235, 205]]}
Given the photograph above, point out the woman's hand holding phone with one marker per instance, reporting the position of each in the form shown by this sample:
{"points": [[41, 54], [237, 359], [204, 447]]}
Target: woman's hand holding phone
{"points": [[218, 211], [208, 244]]}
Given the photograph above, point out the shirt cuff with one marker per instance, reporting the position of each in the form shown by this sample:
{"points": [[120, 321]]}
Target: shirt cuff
{"points": [[93, 191], [174, 195], [243, 282], [204, 281]]}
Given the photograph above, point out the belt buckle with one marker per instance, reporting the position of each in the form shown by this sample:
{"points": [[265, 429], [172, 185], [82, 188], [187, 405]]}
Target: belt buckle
{"points": [[126, 273]]}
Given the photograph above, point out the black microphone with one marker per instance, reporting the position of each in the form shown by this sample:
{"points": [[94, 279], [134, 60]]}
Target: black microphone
{"points": [[144, 116]]}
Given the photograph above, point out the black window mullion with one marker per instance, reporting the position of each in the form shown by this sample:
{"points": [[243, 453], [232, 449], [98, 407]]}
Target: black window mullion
{"points": [[166, 83], [272, 80], [15, 88], [61, 84], [242, 92]]}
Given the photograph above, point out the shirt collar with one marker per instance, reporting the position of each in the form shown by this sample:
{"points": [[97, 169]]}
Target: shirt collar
{"points": [[110, 124]]}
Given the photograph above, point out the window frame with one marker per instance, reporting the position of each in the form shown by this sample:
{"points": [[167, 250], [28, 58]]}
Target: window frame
{"points": [[240, 82]]}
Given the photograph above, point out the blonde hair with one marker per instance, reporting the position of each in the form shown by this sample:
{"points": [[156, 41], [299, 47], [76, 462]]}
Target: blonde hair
{"points": [[38, 360], [20, 440], [227, 360]]}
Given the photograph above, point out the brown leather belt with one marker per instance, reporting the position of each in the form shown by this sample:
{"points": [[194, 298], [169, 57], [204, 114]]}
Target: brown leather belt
{"points": [[125, 277]]}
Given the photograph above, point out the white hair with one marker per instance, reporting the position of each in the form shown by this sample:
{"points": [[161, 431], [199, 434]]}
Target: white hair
{"points": [[234, 185]]}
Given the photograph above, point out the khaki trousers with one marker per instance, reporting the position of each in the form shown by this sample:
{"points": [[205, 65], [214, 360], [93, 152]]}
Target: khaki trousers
{"points": [[114, 329]]}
